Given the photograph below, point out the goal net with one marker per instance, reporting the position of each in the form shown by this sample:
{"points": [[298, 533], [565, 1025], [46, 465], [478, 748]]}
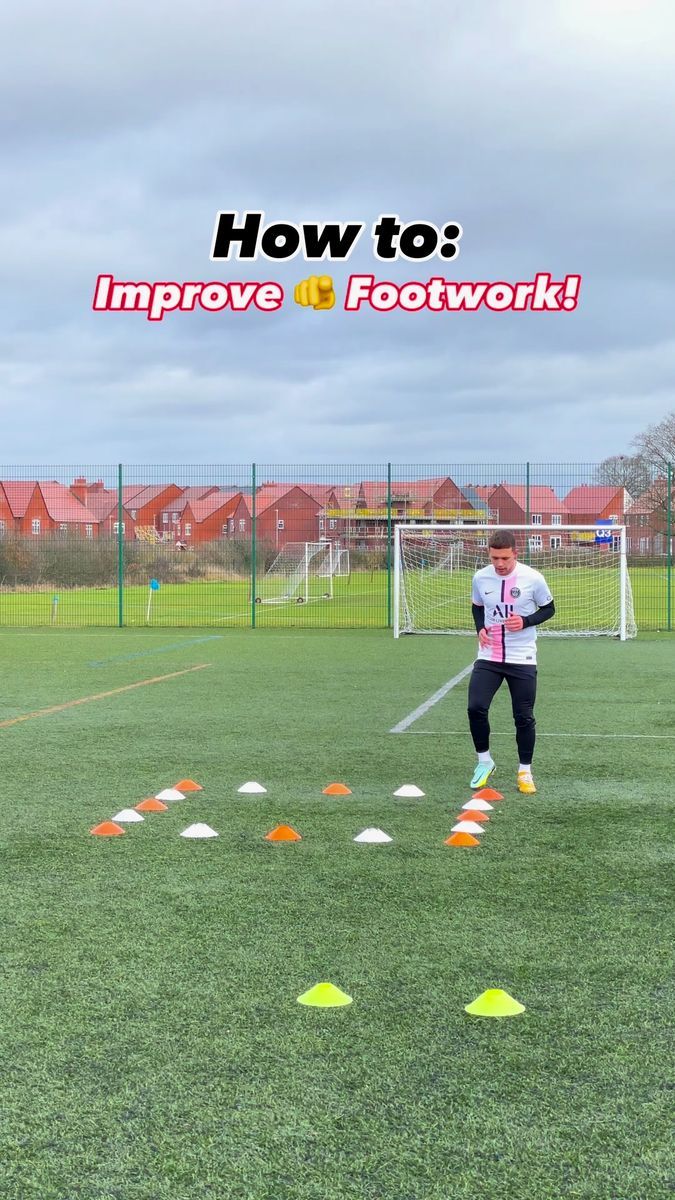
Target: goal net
{"points": [[300, 573], [588, 577]]}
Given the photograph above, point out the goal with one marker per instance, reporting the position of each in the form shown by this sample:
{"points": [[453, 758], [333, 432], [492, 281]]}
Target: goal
{"points": [[301, 572], [585, 568]]}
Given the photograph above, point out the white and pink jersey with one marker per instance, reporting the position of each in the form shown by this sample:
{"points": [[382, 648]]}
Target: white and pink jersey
{"points": [[520, 593]]}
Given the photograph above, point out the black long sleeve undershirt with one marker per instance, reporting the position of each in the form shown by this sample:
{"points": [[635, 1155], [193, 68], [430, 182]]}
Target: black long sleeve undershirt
{"points": [[536, 618]]}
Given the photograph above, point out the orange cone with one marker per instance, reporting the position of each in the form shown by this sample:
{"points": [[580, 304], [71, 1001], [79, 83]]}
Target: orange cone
{"points": [[152, 805], [337, 789], [470, 815], [461, 839], [283, 833], [107, 829], [188, 785], [487, 794]]}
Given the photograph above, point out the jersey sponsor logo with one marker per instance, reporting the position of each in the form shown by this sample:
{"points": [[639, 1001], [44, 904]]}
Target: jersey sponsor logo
{"points": [[504, 610]]}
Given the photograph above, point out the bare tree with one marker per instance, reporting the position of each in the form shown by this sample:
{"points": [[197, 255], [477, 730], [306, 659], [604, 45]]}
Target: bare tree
{"points": [[630, 471], [657, 443]]}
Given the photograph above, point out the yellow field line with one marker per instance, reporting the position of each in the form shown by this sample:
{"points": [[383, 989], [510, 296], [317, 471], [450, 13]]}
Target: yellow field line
{"points": [[45, 712]]}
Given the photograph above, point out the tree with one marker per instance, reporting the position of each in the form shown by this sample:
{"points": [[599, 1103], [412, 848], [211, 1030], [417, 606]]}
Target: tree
{"points": [[630, 471], [657, 444]]}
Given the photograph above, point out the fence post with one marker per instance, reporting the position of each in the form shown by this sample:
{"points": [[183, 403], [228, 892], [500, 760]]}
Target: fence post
{"points": [[388, 545], [527, 511], [669, 547], [253, 546], [120, 550]]}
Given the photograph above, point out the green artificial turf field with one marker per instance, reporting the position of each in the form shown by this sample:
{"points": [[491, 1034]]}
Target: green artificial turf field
{"points": [[153, 1047]]}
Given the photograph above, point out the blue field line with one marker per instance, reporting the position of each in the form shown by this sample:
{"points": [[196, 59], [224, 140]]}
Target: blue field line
{"points": [[155, 650]]}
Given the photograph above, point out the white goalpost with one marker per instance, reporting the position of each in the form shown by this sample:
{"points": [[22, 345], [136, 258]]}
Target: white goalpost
{"points": [[585, 567], [302, 572]]}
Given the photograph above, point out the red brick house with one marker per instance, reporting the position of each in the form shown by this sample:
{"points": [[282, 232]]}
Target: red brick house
{"points": [[590, 502], [6, 514], [286, 513], [647, 521], [49, 507], [148, 506], [508, 506], [217, 516]]}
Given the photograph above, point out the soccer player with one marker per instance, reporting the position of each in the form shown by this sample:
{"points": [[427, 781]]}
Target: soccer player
{"points": [[508, 600]]}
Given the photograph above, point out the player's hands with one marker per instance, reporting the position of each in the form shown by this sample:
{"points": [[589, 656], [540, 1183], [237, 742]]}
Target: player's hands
{"points": [[514, 624], [484, 639]]}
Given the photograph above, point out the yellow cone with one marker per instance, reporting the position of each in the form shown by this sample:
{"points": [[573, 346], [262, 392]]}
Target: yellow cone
{"points": [[494, 1003], [324, 995]]}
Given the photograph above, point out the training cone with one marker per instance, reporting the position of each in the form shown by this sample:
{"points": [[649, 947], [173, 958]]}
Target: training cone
{"points": [[107, 829], [470, 815], [337, 789], [461, 839], [170, 794], [324, 995], [494, 1003], [409, 789], [487, 794], [152, 805], [467, 827], [252, 788], [283, 833], [373, 835], [199, 831], [188, 785], [478, 805], [127, 816]]}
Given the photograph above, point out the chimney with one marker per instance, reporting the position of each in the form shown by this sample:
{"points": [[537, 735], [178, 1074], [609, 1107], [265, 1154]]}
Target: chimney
{"points": [[79, 489]]}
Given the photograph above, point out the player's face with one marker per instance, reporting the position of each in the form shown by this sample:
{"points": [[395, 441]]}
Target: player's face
{"points": [[503, 561]]}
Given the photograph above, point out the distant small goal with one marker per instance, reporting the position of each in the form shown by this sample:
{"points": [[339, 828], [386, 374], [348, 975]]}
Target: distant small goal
{"points": [[303, 572], [585, 568]]}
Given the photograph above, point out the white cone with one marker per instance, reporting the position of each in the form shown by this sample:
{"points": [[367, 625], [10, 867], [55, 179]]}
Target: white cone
{"points": [[199, 831], [170, 794], [409, 789], [468, 827], [252, 788], [478, 806], [373, 835], [127, 815]]}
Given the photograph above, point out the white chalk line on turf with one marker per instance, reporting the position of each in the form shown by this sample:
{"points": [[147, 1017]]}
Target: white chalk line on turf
{"points": [[424, 708], [464, 732]]}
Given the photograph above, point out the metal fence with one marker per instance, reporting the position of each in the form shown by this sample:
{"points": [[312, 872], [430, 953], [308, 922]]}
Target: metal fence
{"points": [[260, 545]]}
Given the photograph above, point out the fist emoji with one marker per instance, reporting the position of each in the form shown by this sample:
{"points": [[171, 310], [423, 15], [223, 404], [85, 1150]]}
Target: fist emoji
{"points": [[315, 292]]}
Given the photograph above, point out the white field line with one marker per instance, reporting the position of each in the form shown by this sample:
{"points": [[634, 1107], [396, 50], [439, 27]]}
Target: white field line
{"points": [[465, 733], [424, 708]]}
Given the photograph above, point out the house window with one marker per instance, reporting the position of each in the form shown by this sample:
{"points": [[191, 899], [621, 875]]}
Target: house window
{"points": [[63, 528], [231, 525], [188, 529], [534, 541], [332, 524], [536, 519], [644, 545], [556, 518], [322, 523], [116, 527], [224, 530], [2, 526], [133, 514], [165, 518], [35, 525], [280, 523], [242, 524], [556, 542], [89, 530], [175, 518]]}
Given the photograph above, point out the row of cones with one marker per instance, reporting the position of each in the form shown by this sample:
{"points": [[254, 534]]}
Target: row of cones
{"points": [[473, 818], [494, 1002], [113, 828]]}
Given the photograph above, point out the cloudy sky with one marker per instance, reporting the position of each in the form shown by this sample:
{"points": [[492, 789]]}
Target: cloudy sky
{"points": [[546, 129]]}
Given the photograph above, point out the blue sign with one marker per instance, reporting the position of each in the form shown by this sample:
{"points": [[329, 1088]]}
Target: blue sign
{"points": [[603, 531]]}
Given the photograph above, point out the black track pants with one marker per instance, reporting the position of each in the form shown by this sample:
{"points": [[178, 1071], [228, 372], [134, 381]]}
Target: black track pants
{"points": [[486, 679]]}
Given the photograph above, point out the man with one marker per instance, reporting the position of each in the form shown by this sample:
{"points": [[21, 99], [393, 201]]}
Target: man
{"points": [[508, 600]]}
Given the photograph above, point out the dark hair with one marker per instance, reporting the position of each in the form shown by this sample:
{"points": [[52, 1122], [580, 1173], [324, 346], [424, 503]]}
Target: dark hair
{"points": [[502, 539]]}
